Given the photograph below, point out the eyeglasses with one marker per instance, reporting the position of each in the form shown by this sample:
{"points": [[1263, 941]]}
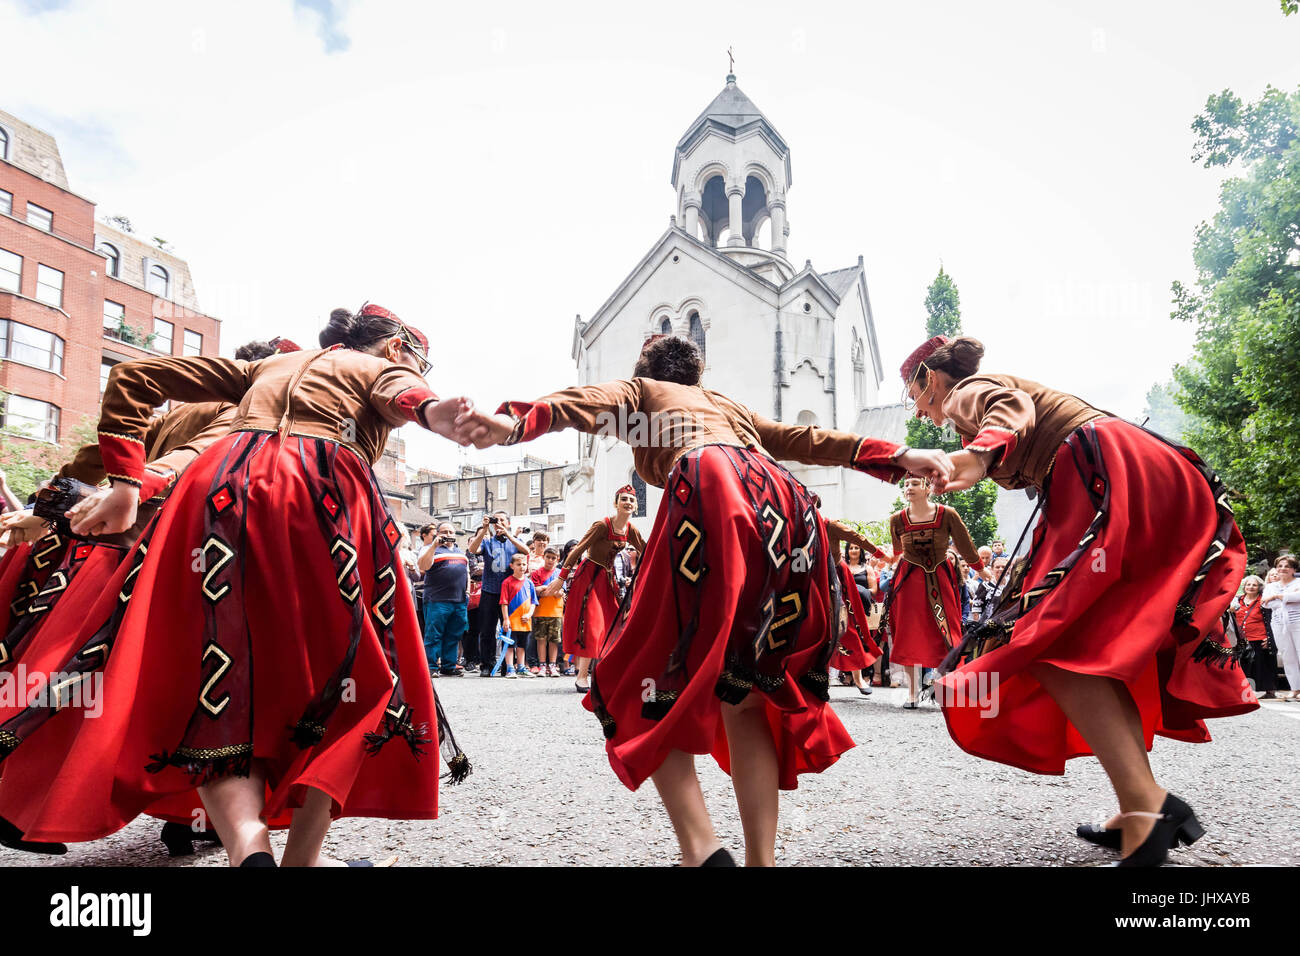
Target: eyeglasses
{"points": [[425, 364]]}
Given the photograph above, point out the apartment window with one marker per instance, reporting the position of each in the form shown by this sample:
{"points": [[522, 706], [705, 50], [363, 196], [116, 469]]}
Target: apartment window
{"points": [[4, 143], [503, 487], [534, 484], [112, 258], [451, 494], [49, 286], [473, 492], [31, 346], [40, 217], [32, 418], [193, 343], [114, 315], [105, 366], [426, 497], [158, 281], [6, 202], [11, 271], [163, 332]]}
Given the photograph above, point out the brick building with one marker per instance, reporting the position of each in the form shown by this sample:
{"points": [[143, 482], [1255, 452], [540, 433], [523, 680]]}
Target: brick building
{"points": [[531, 490], [76, 296]]}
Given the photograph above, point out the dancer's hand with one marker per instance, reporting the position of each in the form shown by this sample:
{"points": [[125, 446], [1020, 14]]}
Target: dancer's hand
{"points": [[967, 468], [23, 520], [108, 511], [483, 430], [441, 417], [926, 462]]}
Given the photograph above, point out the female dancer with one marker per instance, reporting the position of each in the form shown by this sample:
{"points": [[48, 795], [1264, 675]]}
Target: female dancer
{"points": [[45, 629], [1102, 655], [856, 649], [593, 596], [289, 488], [924, 605], [723, 647], [1253, 620]]}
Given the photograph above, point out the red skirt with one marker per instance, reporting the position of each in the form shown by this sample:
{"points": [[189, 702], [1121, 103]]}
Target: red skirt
{"points": [[272, 559], [924, 606], [735, 595], [589, 610], [855, 649], [1114, 613]]}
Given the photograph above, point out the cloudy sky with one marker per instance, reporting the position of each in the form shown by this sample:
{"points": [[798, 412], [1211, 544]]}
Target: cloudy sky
{"points": [[488, 172]]}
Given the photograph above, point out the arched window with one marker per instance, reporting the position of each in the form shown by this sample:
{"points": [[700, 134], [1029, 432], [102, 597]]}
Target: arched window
{"points": [[697, 333], [158, 281], [113, 258], [4, 143], [805, 417], [665, 326], [859, 371]]}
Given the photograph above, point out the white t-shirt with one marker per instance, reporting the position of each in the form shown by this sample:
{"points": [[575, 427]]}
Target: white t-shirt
{"points": [[1288, 608]]}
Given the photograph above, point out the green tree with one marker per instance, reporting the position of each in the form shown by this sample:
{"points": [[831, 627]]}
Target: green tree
{"points": [[1242, 383], [943, 317], [1163, 413], [27, 463]]}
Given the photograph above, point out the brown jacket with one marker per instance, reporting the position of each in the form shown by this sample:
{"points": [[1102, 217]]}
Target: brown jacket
{"points": [[664, 420], [926, 544], [1021, 422], [339, 394]]}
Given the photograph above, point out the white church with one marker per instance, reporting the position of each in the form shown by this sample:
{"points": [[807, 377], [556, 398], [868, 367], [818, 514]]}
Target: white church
{"points": [[797, 345]]}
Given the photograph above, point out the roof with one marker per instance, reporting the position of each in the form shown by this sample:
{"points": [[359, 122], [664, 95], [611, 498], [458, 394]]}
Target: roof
{"points": [[731, 110], [391, 490], [887, 422], [414, 517], [840, 280]]}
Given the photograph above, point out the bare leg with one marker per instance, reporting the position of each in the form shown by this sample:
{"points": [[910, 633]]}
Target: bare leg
{"points": [[307, 832], [1103, 711], [754, 777], [857, 680], [913, 678], [583, 664], [234, 806], [679, 789]]}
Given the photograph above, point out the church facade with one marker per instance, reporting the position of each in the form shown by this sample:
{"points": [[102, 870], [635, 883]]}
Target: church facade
{"points": [[795, 344]]}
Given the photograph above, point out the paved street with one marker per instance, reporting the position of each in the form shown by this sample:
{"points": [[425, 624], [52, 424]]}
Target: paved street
{"points": [[542, 793]]}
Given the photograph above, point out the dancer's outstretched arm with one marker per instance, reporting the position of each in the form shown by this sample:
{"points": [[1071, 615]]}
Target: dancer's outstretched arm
{"points": [[812, 445]]}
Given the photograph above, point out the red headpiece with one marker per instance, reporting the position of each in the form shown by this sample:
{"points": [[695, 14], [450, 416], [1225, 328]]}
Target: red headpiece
{"points": [[284, 345], [413, 333], [625, 490], [923, 352]]}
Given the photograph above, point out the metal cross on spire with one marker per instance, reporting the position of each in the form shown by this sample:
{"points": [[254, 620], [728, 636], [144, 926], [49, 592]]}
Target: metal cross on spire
{"points": [[731, 57]]}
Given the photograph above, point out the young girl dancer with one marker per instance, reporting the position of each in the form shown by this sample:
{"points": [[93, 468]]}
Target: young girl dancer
{"points": [[593, 596], [1102, 655], [924, 605]]}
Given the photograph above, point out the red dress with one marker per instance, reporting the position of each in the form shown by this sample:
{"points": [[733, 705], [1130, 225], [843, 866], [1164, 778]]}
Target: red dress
{"points": [[855, 649], [924, 606], [1117, 611], [721, 610]]}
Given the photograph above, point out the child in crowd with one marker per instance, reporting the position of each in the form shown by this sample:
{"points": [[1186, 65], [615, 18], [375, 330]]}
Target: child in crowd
{"points": [[518, 598], [549, 617]]}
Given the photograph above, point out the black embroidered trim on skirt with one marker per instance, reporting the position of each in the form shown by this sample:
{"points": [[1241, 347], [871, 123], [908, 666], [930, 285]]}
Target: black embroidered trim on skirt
{"points": [[205, 764]]}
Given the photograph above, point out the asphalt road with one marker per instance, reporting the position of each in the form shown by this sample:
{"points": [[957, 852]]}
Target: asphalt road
{"points": [[542, 794]]}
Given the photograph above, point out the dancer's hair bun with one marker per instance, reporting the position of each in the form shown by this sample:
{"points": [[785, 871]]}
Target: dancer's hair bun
{"points": [[341, 329]]}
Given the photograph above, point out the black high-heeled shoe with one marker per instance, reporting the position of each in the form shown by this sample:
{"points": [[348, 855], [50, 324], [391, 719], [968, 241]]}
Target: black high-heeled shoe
{"points": [[179, 839], [258, 859], [1174, 822], [1111, 839], [12, 837], [719, 857]]}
